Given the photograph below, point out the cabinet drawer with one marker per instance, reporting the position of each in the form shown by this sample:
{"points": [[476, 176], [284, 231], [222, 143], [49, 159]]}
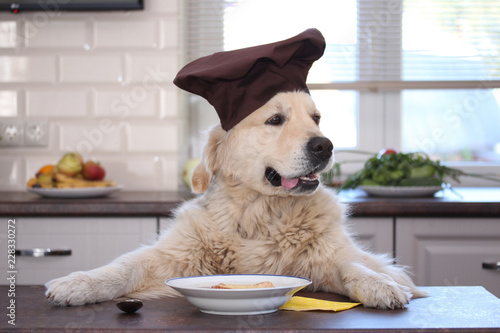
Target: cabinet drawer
{"points": [[450, 252], [87, 243]]}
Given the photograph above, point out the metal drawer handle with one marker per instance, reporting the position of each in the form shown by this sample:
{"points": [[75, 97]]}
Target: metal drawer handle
{"points": [[43, 253], [495, 266]]}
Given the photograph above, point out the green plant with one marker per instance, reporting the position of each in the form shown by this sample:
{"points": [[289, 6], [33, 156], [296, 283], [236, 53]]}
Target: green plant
{"points": [[398, 169]]}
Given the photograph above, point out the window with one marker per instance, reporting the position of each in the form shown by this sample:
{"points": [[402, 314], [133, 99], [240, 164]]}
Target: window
{"points": [[417, 75]]}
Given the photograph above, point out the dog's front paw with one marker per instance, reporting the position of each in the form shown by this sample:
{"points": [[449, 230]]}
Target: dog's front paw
{"points": [[382, 292], [74, 289]]}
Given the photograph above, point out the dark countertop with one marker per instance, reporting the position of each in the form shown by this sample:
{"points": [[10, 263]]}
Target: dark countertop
{"points": [[448, 309], [461, 202], [123, 203]]}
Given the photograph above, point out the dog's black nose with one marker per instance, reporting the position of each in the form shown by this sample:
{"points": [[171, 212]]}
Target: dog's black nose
{"points": [[320, 147]]}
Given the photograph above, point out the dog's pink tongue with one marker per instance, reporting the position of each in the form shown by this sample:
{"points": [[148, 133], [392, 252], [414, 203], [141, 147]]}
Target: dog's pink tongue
{"points": [[289, 183]]}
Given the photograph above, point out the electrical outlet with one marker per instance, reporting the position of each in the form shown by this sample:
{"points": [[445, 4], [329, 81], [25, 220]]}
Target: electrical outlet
{"points": [[11, 132], [36, 132], [16, 132]]}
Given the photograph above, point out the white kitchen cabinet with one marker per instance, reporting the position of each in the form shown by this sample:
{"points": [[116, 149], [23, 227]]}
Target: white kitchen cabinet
{"points": [[93, 242], [450, 251], [374, 234]]}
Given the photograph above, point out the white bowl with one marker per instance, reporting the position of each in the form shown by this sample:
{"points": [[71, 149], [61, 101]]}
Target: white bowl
{"points": [[401, 191], [198, 291], [75, 193]]}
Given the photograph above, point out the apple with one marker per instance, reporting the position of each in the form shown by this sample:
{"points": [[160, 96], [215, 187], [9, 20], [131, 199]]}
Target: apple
{"points": [[187, 171], [386, 151], [70, 164], [93, 171]]}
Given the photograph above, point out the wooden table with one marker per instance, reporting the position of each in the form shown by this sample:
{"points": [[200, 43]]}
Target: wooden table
{"points": [[448, 309]]}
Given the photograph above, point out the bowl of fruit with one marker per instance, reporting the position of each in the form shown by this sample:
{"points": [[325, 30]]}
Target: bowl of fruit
{"points": [[72, 177]]}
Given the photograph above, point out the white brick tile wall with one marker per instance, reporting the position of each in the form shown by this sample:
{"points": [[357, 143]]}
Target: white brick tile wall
{"points": [[150, 69], [143, 172], [8, 35], [8, 103], [57, 103], [168, 31], [100, 136], [103, 82], [160, 137], [36, 68], [127, 103], [10, 169], [91, 68], [169, 171], [123, 34], [56, 34], [168, 103]]}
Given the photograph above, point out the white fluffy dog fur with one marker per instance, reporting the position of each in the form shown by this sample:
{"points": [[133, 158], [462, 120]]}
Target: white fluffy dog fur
{"points": [[245, 223]]}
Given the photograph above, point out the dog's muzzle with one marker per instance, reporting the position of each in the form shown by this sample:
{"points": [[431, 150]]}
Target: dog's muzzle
{"points": [[319, 151]]}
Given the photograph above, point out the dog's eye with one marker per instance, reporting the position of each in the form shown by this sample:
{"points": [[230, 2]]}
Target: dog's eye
{"points": [[316, 118], [275, 120]]}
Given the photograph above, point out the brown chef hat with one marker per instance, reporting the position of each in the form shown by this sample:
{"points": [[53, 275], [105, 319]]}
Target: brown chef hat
{"points": [[239, 82]]}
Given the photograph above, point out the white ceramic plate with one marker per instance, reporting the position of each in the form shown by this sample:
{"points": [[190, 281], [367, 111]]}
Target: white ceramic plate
{"points": [[198, 291], [401, 191], [85, 192]]}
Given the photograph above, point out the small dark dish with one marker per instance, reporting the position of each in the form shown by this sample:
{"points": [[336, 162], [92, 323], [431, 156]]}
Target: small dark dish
{"points": [[129, 305]]}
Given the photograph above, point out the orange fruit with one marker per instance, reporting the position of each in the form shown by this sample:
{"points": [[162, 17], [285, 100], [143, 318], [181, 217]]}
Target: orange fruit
{"points": [[45, 169]]}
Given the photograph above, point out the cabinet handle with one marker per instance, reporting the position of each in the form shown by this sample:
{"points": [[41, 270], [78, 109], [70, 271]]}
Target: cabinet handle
{"points": [[495, 266], [43, 253]]}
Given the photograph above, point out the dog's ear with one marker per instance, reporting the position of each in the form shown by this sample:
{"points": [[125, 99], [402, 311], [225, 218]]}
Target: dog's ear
{"points": [[204, 171]]}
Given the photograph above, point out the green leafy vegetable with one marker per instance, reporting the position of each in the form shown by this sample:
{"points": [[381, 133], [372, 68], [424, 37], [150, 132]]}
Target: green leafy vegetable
{"points": [[400, 169]]}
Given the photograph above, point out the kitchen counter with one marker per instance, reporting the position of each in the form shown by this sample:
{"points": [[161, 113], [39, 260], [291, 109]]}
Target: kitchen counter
{"points": [[448, 309], [461, 202], [123, 203]]}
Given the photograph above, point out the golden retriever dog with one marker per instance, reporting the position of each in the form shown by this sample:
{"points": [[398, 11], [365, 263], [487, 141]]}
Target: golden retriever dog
{"points": [[262, 210]]}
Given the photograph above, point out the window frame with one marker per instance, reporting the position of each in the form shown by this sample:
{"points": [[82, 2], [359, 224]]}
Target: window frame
{"points": [[379, 103]]}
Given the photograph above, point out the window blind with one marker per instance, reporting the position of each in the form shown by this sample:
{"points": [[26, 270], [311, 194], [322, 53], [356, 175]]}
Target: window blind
{"points": [[390, 44], [204, 27], [451, 40]]}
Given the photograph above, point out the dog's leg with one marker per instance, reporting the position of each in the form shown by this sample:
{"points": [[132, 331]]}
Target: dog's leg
{"points": [[124, 275], [374, 289], [375, 282]]}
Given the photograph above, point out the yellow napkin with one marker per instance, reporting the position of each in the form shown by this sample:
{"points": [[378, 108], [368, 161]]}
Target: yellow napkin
{"points": [[298, 303]]}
